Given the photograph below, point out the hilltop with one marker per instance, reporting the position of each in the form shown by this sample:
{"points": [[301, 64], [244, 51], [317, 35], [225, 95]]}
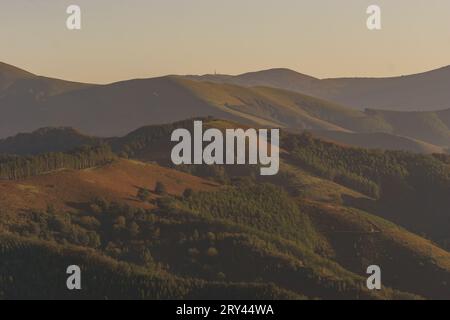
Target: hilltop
{"points": [[15, 82], [45, 140], [426, 91], [119, 181], [281, 78], [118, 108], [9, 74]]}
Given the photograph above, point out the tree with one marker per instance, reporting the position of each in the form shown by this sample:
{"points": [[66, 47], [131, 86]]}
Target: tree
{"points": [[165, 203], [51, 208], [145, 257], [120, 222], [143, 194], [133, 229], [188, 192], [212, 252], [160, 188]]}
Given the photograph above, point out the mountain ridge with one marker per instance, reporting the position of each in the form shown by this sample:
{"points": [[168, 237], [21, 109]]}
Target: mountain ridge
{"points": [[118, 108], [401, 93]]}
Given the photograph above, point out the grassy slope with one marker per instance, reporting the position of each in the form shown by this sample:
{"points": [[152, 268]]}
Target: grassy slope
{"points": [[297, 111], [119, 181], [380, 140], [409, 262], [431, 127], [69, 189], [357, 239], [425, 91], [325, 207], [256, 104]]}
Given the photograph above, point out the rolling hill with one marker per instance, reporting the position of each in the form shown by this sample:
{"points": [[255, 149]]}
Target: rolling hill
{"points": [[18, 83], [426, 91], [149, 142], [369, 172], [383, 141], [118, 108], [275, 78], [10, 74], [303, 234], [45, 140], [120, 180], [431, 127]]}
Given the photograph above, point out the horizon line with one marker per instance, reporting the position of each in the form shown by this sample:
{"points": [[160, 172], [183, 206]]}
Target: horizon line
{"points": [[228, 74]]}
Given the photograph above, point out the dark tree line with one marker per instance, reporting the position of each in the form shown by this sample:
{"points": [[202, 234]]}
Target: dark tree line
{"points": [[19, 167]]}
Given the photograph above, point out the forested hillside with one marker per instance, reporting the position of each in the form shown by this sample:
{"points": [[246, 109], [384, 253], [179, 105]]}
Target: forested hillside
{"points": [[202, 248], [46, 140], [409, 189], [142, 228], [19, 167]]}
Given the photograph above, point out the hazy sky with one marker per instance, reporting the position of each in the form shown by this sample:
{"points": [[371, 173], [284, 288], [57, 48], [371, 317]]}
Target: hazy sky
{"points": [[122, 39]]}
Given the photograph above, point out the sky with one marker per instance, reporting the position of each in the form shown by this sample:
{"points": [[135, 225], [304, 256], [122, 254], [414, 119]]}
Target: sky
{"points": [[121, 40]]}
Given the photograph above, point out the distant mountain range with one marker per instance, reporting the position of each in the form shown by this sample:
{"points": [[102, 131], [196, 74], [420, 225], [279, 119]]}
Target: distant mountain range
{"points": [[86, 178], [426, 91], [267, 98]]}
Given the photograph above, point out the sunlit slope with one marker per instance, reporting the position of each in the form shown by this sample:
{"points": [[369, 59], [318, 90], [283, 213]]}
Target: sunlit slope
{"points": [[427, 91], [299, 112], [379, 140], [431, 127], [245, 250], [358, 239], [120, 180]]}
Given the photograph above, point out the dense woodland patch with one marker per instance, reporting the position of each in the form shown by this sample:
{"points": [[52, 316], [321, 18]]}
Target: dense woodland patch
{"points": [[251, 237]]}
